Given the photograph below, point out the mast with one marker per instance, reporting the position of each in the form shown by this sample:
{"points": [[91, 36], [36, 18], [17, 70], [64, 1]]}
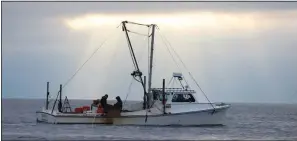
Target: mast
{"points": [[148, 94], [137, 72], [150, 97]]}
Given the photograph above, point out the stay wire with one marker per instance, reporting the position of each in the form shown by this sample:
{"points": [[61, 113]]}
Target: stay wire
{"points": [[137, 33], [114, 56], [100, 46], [188, 71], [86, 61], [170, 81], [131, 54], [137, 23], [165, 40], [129, 89], [171, 53]]}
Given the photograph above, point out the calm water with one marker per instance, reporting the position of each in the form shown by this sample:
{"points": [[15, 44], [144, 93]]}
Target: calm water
{"points": [[244, 121]]}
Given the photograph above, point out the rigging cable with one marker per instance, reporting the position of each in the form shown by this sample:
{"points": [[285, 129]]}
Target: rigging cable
{"points": [[100, 46], [131, 54], [137, 33], [137, 23], [142, 51], [177, 65], [171, 53], [188, 71], [170, 80], [86, 61], [129, 89], [114, 56]]}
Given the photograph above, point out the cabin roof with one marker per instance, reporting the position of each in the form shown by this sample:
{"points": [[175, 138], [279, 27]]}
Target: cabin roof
{"points": [[175, 90]]}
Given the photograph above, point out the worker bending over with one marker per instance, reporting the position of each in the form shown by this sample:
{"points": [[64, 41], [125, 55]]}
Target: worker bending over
{"points": [[119, 104]]}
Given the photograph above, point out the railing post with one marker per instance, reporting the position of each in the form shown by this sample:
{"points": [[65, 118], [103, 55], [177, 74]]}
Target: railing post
{"points": [[164, 101], [47, 94], [60, 99]]}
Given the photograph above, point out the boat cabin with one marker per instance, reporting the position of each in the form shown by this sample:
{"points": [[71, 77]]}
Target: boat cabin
{"points": [[174, 95]]}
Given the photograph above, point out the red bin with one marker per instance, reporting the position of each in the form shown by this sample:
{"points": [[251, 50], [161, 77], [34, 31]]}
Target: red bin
{"points": [[86, 108], [78, 110]]}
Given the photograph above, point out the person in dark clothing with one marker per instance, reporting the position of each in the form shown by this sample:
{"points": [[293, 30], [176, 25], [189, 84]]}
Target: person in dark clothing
{"points": [[119, 104], [103, 102]]}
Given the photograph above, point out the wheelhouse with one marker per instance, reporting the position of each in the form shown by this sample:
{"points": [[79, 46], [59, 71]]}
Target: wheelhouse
{"points": [[174, 95]]}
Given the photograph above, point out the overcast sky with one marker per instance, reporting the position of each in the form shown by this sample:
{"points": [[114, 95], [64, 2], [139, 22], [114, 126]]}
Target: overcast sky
{"points": [[237, 51]]}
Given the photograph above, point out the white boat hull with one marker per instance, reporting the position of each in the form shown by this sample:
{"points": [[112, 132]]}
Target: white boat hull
{"points": [[207, 117], [53, 118], [196, 118]]}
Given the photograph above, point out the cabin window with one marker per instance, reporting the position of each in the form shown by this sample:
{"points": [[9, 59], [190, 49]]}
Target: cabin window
{"points": [[155, 95], [161, 97], [183, 98]]}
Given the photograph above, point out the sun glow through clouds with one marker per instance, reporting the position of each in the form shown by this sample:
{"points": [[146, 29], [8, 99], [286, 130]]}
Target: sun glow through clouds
{"points": [[207, 34], [174, 20]]}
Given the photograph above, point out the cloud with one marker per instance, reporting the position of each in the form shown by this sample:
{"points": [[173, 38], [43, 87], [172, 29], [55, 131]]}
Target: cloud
{"points": [[238, 51]]}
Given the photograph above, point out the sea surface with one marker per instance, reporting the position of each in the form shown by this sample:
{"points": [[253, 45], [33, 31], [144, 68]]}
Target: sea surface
{"points": [[244, 122]]}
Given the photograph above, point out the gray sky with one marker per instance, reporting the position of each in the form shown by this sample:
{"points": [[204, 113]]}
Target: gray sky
{"points": [[237, 51]]}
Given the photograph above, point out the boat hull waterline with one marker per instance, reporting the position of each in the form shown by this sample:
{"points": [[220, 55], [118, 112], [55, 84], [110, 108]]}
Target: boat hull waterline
{"points": [[207, 117]]}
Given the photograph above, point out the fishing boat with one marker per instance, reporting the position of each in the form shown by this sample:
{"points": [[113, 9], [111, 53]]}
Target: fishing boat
{"points": [[160, 106]]}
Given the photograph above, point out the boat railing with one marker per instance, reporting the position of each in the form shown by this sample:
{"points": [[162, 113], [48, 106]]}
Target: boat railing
{"points": [[168, 90]]}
